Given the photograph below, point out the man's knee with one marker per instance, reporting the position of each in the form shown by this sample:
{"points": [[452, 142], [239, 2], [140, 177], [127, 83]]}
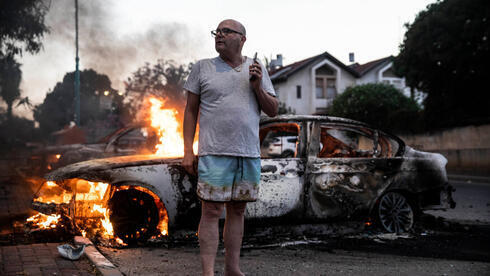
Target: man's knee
{"points": [[212, 210], [236, 208]]}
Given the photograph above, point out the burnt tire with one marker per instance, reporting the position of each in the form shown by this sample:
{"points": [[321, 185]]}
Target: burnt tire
{"points": [[395, 213], [134, 215]]}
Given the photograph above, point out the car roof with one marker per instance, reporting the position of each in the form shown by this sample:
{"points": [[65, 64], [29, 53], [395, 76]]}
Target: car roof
{"points": [[326, 119]]}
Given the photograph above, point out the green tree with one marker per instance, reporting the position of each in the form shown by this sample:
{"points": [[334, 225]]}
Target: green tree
{"points": [[22, 26], [57, 109], [445, 54], [10, 77], [378, 104], [165, 80]]}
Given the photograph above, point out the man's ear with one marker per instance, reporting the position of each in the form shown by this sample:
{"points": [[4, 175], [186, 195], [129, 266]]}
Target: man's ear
{"points": [[244, 38]]}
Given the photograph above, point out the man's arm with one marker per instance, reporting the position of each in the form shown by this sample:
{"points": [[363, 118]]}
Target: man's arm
{"points": [[190, 120], [267, 103]]}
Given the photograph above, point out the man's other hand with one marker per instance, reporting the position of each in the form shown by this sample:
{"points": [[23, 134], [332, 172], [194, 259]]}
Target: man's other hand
{"points": [[190, 163]]}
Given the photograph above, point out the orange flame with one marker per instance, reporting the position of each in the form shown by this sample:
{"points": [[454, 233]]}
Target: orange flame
{"points": [[44, 221], [52, 193], [164, 121]]}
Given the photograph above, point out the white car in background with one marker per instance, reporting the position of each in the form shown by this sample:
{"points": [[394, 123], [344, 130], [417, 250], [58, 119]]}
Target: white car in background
{"points": [[282, 146]]}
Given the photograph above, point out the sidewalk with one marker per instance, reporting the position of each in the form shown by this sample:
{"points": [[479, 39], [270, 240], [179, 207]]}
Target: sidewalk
{"points": [[40, 259]]}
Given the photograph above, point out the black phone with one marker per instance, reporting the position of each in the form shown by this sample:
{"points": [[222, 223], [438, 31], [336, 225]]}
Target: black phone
{"points": [[254, 61]]}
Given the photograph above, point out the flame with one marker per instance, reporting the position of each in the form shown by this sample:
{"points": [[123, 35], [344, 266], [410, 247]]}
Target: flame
{"points": [[106, 223], [58, 156], [52, 193], [89, 204], [44, 221], [164, 121], [121, 242]]}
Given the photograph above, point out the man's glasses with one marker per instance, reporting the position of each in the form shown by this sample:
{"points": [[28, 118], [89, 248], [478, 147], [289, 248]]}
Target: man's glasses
{"points": [[224, 32]]}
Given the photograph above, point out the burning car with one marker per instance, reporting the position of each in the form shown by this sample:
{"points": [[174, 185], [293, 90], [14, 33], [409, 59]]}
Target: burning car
{"points": [[128, 140], [339, 169]]}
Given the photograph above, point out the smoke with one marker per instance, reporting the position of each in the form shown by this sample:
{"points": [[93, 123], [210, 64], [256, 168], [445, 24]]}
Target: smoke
{"points": [[104, 49]]}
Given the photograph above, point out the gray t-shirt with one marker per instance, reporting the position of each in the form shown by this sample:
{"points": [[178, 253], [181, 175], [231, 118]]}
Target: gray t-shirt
{"points": [[229, 113]]}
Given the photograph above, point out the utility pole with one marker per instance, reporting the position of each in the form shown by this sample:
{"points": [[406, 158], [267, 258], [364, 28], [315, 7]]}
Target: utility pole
{"points": [[77, 72]]}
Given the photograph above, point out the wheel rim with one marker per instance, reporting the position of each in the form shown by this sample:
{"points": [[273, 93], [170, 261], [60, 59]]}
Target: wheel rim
{"points": [[395, 213]]}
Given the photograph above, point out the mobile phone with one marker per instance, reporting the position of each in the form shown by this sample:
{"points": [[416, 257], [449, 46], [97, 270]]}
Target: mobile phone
{"points": [[254, 61]]}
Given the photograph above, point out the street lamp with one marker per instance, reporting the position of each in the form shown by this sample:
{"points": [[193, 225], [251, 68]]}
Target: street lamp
{"points": [[77, 72]]}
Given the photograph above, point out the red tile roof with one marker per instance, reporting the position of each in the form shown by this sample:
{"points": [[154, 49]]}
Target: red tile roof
{"points": [[362, 69], [283, 73]]}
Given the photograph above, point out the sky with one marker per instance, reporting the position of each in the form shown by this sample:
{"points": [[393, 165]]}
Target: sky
{"points": [[116, 37]]}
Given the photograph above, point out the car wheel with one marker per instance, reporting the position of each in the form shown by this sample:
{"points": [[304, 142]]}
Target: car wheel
{"points": [[395, 213], [134, 215]]}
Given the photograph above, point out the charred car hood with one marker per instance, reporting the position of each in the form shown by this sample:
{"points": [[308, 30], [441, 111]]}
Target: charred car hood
{"points": [[78, 170]]}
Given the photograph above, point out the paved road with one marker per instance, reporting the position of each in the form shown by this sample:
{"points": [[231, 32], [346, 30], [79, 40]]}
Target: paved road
{"points": [[472, 203], [453, 242]]}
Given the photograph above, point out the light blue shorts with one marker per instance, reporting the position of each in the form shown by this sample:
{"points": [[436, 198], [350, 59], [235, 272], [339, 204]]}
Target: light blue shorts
{"points": [[228, 178]]}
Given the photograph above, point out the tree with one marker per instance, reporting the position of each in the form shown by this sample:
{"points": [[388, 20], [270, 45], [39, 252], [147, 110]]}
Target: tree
{"points": [[164, 79], [57, 109], [445, 54], [378, 104], [22, 26], [10, 77]]}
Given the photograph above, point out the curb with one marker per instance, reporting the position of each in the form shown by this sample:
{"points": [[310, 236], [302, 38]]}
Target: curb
{"points": [[103, 266]]}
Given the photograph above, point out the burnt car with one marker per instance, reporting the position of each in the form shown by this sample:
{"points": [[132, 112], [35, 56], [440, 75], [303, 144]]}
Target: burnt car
{"points": [[128, 140], [339, 169]]}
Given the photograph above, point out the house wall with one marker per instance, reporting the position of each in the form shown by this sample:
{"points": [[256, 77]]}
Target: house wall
{"points": [[308, 102], [287, 92]]}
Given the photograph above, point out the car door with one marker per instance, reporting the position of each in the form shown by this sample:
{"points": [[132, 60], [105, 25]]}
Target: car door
{"points": [[347, 169], [282, 173]]}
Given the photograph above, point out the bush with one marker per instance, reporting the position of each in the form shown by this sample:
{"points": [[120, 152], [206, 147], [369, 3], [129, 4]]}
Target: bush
{"points": [[380, 105]]}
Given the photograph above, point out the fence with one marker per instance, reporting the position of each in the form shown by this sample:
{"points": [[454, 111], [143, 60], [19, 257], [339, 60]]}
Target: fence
{"points": [[466, 148]]}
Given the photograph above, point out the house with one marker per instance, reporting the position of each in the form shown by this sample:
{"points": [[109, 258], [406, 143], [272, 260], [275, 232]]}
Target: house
{"points": [[309, 86]]}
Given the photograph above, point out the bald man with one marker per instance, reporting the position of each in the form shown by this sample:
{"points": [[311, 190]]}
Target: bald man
{"points": [[228, 92]]}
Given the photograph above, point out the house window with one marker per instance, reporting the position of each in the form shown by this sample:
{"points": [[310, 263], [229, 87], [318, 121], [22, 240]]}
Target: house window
{"points": [[325, 87], [298, 91], [319, 88]]}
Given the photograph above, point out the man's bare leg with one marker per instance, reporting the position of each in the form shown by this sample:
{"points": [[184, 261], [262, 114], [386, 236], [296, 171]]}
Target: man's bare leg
{"points": [[232, 235], [209, 235]]}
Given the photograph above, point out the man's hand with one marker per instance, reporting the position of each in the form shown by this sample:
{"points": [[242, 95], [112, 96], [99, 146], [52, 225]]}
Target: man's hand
{"points": [[255, 71], [267, 103], [190, 163], [190, 120]]}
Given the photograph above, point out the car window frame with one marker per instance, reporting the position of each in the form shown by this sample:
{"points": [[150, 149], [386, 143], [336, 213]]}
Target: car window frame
{"points": [[314, 138], [301, 148]]}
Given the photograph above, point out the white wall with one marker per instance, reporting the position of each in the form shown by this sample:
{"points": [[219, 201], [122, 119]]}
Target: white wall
{"points": [[308, 102], [287, 92]]}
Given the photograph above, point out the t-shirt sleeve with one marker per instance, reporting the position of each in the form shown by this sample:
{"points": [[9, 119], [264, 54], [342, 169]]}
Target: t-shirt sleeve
{"points": [[193, 84], [267, 83]]}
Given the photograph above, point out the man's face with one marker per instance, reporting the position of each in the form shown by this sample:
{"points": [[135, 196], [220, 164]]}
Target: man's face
{"points": [[228, 43]]}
